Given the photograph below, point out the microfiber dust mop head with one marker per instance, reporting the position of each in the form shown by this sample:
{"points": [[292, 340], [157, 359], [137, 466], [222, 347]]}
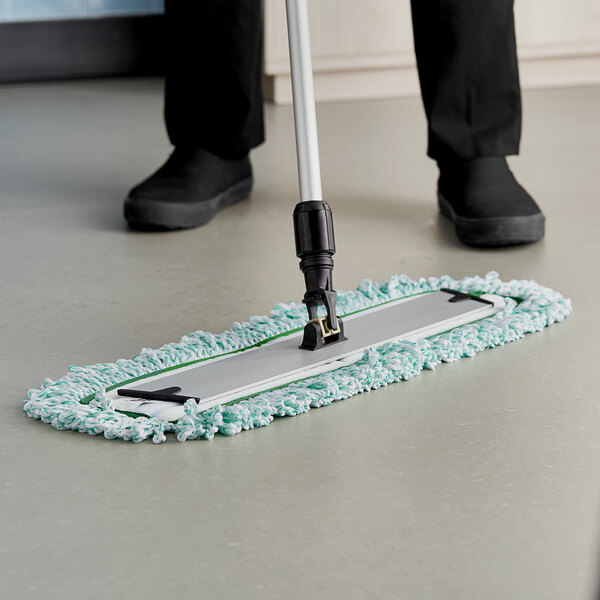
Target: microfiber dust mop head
{"points": [[82, 400]]}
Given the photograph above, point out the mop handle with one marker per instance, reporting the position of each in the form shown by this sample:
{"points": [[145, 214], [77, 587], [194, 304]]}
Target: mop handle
{"points": [[305, 118]]}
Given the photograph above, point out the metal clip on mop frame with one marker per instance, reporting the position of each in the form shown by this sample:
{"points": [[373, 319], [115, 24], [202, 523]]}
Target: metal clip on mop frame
{"points": [[313, 222]]}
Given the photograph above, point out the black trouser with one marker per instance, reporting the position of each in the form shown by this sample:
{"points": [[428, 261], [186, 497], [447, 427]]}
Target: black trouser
{"points": [[466, 56]]}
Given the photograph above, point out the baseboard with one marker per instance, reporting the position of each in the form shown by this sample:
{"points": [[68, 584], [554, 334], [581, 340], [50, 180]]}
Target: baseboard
{"points": [[401, 81], [42, 50], [567, 71], [360, 84]]}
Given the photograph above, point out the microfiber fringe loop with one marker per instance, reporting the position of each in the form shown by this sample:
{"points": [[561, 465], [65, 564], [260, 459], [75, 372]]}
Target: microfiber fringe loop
{"points": [[58, 403]]}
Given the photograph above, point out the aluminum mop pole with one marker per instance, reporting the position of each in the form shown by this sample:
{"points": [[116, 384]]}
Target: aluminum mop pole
{"points": [[305, 117]]}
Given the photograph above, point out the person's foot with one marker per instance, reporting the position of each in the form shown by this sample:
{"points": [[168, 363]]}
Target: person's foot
{"points": [[487, 204], [188, 190]]}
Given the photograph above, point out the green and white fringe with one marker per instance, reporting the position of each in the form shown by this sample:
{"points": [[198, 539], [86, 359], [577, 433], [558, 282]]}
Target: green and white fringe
{"points": [[529, 307]]}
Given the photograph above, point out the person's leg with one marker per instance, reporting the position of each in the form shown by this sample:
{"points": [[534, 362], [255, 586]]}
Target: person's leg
{"points": [[469, 77], [213, 113], [467, 61], [213, 87]]}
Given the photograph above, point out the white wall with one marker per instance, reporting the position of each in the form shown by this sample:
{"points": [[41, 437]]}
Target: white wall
{"points": [[363, 48]]}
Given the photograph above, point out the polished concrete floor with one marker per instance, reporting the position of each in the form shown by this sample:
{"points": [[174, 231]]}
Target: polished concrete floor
{"points": [[480, 480]]}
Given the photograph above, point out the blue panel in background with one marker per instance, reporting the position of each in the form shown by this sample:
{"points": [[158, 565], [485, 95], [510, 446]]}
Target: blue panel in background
{"points": [[34, 10], [44, 10], [97, 8]]}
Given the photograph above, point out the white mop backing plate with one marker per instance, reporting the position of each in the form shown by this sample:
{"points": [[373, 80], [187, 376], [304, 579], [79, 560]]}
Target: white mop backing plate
{"points": [[228, 378]]}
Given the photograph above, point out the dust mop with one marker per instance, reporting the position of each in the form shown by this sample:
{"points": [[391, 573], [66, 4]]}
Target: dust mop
{"points": [[305, 355]]}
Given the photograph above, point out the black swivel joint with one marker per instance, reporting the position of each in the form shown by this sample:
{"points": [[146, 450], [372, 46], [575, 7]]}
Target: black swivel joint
{"points": [[315, 247]]}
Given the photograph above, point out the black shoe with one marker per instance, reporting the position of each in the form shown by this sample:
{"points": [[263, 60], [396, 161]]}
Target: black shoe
{"points": [[487, 204], [188, 190]]}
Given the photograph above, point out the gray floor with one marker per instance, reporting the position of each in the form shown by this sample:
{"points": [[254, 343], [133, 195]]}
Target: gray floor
{"points": [[479, 480]]}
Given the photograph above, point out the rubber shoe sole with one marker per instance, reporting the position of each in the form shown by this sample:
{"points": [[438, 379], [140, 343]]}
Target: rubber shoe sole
{"points": [[157, 215], [494, 231]]}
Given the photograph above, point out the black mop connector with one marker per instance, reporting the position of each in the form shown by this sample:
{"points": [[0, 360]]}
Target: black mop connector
{"points": [[315, 247]]}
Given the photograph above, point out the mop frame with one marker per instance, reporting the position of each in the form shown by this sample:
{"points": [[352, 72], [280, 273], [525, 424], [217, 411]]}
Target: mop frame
{"points": [[78, 401]]}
